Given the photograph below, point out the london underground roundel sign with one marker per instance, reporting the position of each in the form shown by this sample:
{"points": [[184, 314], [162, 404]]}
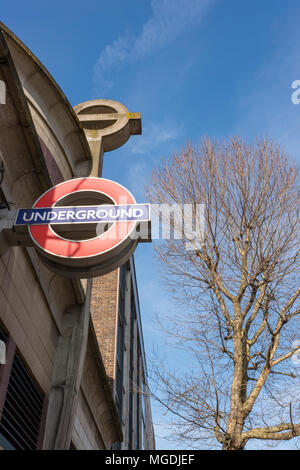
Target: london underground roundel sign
{"points": [[67, 226]]}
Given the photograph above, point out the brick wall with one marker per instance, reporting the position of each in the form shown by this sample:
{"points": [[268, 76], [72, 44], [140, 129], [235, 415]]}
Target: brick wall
{"points": [[104, 314]]}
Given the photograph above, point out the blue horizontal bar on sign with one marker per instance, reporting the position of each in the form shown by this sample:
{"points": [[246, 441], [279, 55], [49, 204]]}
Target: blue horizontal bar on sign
{"points": [[83, 214]]}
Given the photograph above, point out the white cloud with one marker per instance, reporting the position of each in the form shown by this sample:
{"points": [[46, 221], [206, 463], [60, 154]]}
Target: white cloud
{"points": [[153, 136], [113, 54], [136, 179], [170, 19], [266, 106]]}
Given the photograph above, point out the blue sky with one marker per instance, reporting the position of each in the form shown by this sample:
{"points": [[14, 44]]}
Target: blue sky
{"points": [[191, 67]]}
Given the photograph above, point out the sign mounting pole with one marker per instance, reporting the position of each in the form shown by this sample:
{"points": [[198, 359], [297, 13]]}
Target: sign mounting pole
{"points": [[107, 125]]}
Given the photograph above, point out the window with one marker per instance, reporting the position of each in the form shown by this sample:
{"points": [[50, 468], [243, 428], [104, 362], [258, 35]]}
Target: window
{"points": [[138, 397], [22, 402], [122, 280], [120, 341]]}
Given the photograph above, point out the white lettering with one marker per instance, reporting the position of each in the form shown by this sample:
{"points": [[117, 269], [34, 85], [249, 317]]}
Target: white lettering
{"points": [[91, 214], [39, 216], [154, 460], [71, 215], [295, 96], [26, 218], [103, 211], [61, 215], [2, 92], [114, 214], [116, 460], [137, 212], [296, 348], [51, 216], [2, 353], [127, 212], [81, 215]]}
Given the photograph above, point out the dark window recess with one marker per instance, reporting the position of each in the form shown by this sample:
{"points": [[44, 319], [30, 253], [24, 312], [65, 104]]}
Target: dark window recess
{"points": [[22, 411], [131, 384], [119, 391], [120, 361], [130, 429], [3, 336], [120, 341], [122, 278], [138, 397]]}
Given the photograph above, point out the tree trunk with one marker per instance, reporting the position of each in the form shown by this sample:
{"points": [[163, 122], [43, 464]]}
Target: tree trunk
{"points": [[235, 424]]}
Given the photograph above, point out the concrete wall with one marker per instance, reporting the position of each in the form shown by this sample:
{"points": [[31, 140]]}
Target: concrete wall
{"points": [[42, 143], [105, 310], [85, 435], [25, 312]]}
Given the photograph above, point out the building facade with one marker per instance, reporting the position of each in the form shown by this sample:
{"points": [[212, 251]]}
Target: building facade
{"points": [[60, 383], [116, 316]]}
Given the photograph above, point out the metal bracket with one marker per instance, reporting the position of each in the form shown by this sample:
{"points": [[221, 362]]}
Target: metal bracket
{"points": [[9, 235]]}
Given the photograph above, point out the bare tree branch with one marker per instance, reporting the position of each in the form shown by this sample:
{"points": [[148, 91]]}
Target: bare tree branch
{"points": [[238, 291]]}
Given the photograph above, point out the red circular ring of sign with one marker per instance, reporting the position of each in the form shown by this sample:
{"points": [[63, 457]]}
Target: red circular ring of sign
{"points": [[51, 243]]}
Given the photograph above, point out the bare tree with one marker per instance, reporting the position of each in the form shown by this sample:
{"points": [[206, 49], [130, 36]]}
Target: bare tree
{"points": [[238, 290]]}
